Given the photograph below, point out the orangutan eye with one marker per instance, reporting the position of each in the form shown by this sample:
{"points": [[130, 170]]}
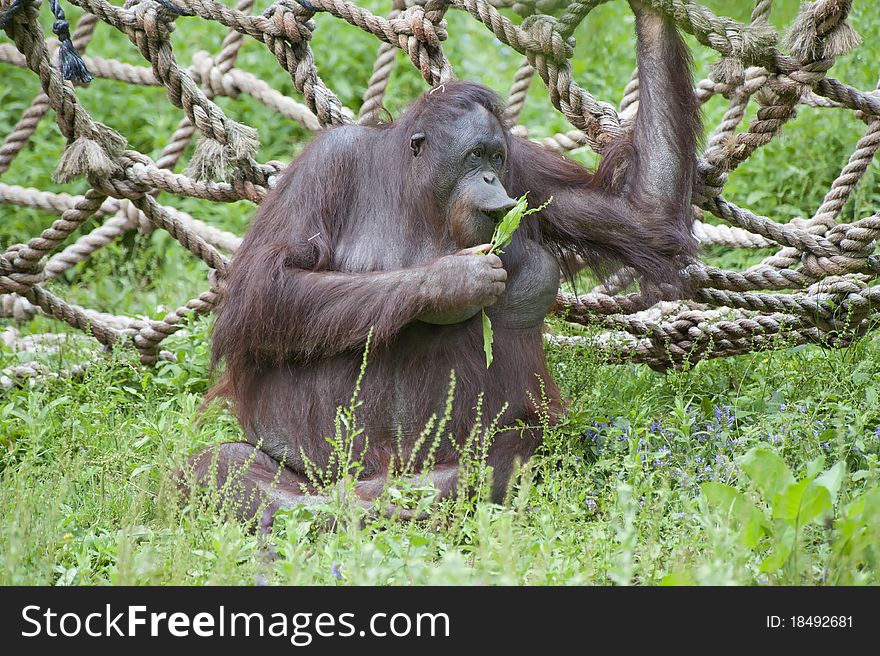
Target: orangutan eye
{"points": [[477, 153], [497, 159]]}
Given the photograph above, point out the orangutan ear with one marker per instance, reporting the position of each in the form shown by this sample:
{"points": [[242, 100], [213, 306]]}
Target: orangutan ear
{"points": [[415, 143]]}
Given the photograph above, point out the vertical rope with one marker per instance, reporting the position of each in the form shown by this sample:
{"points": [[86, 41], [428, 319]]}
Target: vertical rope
{"points": [[174, 149], [29, 121], [382, 69], [441, 69], [519, 91], [761, 11], [720, 142], [630, 100], [568, 22]]}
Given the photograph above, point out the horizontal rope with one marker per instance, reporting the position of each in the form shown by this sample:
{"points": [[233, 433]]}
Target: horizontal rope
{"points": [[818, 286]]}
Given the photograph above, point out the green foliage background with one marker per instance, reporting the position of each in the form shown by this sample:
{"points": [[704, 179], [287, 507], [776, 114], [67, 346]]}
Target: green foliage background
{"points": [[649, 479]]}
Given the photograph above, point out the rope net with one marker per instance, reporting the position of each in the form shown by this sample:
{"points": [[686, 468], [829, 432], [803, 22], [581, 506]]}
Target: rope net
{"points": [[817, 287]]}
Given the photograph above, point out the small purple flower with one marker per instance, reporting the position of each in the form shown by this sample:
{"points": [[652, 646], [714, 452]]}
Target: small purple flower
{"points": [[655, 426], [724, 464], [591, 504], [660, 459], [594, 432], [723, 416], [827, 447], [336, 570]]}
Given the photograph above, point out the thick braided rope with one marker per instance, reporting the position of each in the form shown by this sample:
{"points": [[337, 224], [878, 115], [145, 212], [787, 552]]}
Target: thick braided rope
{"points": [[519, 90], [574, 14], [829, 266], [224, 62], [25, 128], [841, 190], [547, 51], [382, 69]]}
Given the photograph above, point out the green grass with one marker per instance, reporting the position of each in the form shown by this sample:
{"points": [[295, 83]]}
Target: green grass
{"points": [[618, 493]]}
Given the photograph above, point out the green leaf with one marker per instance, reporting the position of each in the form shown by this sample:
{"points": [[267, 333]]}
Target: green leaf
{"points": [[736, 506], [832, 479], [871, 397], [866, 507], [487, 338], [815, 466], [784, 536], [802, 503], [418, 541], [767, 471], [502, 236], [722, 496]]}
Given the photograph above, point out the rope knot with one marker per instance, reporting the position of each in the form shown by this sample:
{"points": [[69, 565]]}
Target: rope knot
{"points": [[548, 38], [820, 30], [290, 20], [25, 259], [217, 279], [810, 75], [709, 183], [73, 68], [839, 303], [9, 13], [421, 28], [18, 274], [156, 20], [173, 9], [61, 28], [252, 182], [118, 183]]}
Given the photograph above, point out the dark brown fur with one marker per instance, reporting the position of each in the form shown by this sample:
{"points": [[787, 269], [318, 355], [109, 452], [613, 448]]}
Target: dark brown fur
{"points": [[354, 234]]}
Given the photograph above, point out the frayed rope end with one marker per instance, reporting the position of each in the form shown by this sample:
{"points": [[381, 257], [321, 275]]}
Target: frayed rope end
{"points": [[83, 157], [212, 160], [803, 40], [73, 68]]}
